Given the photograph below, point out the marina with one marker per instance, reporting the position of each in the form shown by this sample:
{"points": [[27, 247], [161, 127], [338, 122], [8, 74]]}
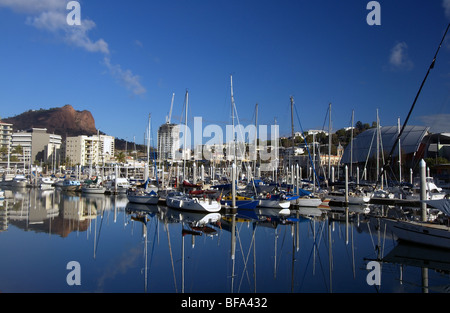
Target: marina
{"points": [[128, 247], [244, 185]]}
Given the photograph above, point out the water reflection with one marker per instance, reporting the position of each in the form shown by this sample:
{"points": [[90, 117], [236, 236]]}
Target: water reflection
{"points": [[54, 212], [140, 248]]}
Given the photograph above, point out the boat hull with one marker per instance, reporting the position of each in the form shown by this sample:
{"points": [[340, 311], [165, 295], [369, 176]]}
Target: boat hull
{"points": [[242, 204], [421, 233], [308, 202], [70, 185], [143, 199], [277, 204], [93, 190], [340, 200], [193, 204], [19, 184]]}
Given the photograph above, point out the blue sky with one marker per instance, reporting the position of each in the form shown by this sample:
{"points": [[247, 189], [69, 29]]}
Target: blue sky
{"points": [[127, 58]]}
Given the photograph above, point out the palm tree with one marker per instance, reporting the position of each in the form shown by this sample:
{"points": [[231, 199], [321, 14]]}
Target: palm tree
{"points": [[120, 157]]}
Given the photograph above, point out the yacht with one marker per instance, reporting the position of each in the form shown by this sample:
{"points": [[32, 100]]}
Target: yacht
{"points": [[182, 201]]}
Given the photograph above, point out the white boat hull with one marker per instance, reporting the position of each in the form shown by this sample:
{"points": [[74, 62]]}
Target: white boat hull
{"points": [[19, 184], [351, 200], [268, 203], [193, 204], [93, 190], [46, 183], [46, 186], [430, 196], [119, 190], [309, 202], [423, 233], [143, 199]]}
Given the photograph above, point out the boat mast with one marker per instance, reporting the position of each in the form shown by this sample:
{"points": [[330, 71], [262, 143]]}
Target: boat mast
{"points": [[256, 140], [399, 154], [293, 140], [185, 133], [378, 145], [232, 116], [170, 112], [351, 144], [148, 138], [329, 142], [292, 123]]}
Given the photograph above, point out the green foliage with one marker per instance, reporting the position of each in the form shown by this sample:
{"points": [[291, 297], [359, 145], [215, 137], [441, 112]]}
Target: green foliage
{"points": [[436, 161], [341, 136]]}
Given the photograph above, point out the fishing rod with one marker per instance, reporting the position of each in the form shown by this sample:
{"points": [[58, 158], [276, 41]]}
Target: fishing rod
{"points": [[389, 158]]}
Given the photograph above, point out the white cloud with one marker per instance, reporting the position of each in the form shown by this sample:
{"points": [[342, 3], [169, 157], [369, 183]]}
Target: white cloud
{"points": [[78, 36], [48, 20], [126, 77], [51, 15], [398, 58], [55, 21], [446, 5], [33, 6]]}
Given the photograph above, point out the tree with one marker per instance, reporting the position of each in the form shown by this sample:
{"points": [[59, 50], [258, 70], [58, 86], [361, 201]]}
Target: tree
{"points": [[18, 150], [120, 157], [3, 151], [359, 126]]}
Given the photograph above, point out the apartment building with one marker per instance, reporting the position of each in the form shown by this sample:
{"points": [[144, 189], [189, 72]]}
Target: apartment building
{"points": [[37, 145], [5, 135], [89, 150], [168, 141]]}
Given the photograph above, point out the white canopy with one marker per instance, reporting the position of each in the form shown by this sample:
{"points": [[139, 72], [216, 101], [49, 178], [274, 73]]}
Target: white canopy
{"points": [[366, 143]]}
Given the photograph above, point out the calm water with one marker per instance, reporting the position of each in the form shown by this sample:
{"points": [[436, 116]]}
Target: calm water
{"points": [[132, 248]]}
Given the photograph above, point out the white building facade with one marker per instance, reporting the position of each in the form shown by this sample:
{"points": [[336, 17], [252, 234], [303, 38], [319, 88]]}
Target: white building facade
{"points": [[37, 145], [5, 135], [168, 141], [89, 150]]}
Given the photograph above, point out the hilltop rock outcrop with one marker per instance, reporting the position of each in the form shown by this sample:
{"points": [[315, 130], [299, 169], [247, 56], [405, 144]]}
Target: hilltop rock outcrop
{"points": [[64, 121]]}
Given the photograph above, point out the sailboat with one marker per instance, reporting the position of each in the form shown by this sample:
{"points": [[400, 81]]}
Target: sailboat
{"points": [[143, 195], [46, 183], [309, 200], [69, 184], [423, 232], [93, 187], [356, 197], [426, 233], [242, 202], [433, 191], [182, 201], [276, 201], [19, 181]]}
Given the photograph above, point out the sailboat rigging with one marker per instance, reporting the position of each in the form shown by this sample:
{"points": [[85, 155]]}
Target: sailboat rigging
{"points": [[389, 158]]}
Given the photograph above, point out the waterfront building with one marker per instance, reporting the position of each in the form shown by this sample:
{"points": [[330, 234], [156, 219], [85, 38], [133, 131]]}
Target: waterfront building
{"points": [[168, 141], [5, 135], [371, 147], [89, 150], [316, 132], [37, 145]]}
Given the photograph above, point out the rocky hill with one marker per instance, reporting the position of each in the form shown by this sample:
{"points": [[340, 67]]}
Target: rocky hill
{"points": [[64, 121]]}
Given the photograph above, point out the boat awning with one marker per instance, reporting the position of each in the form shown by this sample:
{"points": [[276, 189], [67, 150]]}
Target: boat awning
{"points": [[442, 205]]}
